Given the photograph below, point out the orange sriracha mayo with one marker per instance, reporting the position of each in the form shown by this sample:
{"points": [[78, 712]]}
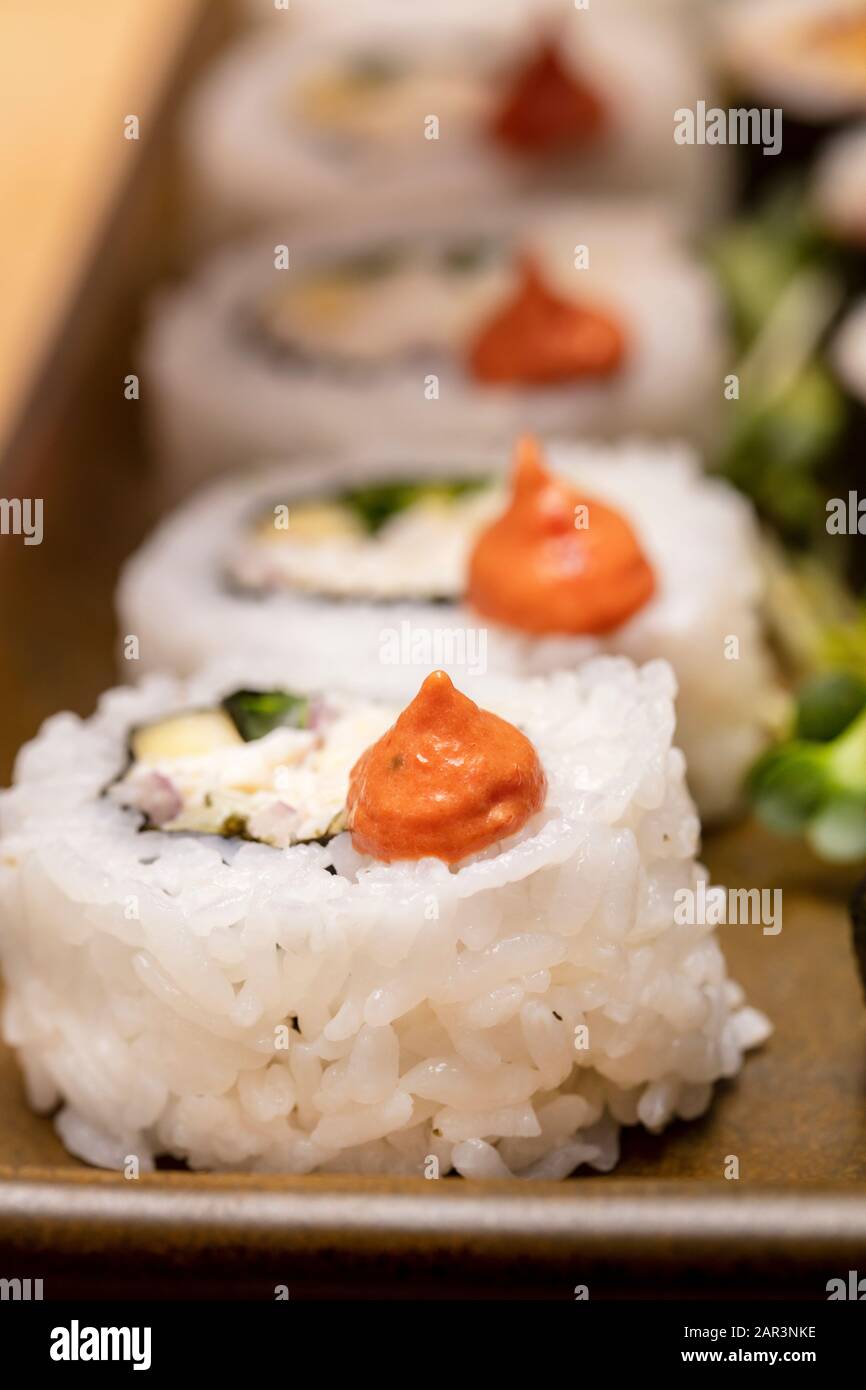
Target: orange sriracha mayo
{"points": [[447, 779], [539, 338], [556, 561], [547, 108]]}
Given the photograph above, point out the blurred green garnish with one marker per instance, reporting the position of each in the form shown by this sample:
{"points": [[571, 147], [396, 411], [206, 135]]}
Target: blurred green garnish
{"points": [[777, 447], [815, 783], [783, 293], [827, 706], [758, 255]]}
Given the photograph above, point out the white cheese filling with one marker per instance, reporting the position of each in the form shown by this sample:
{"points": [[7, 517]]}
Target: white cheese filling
{"points": [[289, 786], [419, 553]]}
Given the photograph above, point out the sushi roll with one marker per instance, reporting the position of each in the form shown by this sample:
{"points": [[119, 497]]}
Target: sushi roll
{"points": [[370, 567], [807, 56], [486, 971], [397, 107], [800, 67], [565, 319]]}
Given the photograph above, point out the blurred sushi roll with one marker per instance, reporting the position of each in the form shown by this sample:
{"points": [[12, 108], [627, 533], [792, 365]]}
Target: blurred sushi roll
{"points": [[807, 56], [401, 107], [838, 194], [261, 929], [366, 569], [848, 352], [801, 65], [322, 14], [563, 319]]}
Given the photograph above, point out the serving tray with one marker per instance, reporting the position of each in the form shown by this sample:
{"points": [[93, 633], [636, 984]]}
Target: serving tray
{"points": [[667, 1222]]}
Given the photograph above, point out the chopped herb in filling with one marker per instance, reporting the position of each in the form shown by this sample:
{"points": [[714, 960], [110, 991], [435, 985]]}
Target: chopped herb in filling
{"points": [[376, 503], [392, 302], [384, 541], [271, 766], [371, 265], [257, 712], [465, 256], [374, 70]]}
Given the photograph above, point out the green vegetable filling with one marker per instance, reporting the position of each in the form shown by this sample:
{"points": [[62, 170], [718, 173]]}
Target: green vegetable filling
{"points": [[256, 713], [463, 257], [375, 503], [815, 784]]}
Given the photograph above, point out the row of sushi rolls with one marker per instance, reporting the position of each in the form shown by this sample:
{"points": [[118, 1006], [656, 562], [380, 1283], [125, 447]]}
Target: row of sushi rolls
{"points": [[511, 527]]}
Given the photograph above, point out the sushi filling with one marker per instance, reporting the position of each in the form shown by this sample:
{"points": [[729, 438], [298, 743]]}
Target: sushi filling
{"points": [[374, 103], [387, 307], [445, 779], [403, 539], [546, 559], [269, 766], [470, 301]]}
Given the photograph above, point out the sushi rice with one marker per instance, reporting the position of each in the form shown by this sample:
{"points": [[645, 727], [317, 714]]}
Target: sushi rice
{"points": [[247, 361], [249, 1008], [699, 535]]}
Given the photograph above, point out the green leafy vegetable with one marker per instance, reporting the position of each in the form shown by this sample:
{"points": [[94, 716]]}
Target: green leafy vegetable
{"points": [[757, 256], [814, 621], [815, 784], [375, 503], [257, 712], [845, 644], [785, 451], [778, 447], [828, 704], [783, 290]]}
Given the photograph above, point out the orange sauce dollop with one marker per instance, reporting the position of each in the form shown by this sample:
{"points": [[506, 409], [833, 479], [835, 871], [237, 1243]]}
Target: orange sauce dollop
{"points": [[556, 561], [447, 780], [540, 339], [547, 108]]}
